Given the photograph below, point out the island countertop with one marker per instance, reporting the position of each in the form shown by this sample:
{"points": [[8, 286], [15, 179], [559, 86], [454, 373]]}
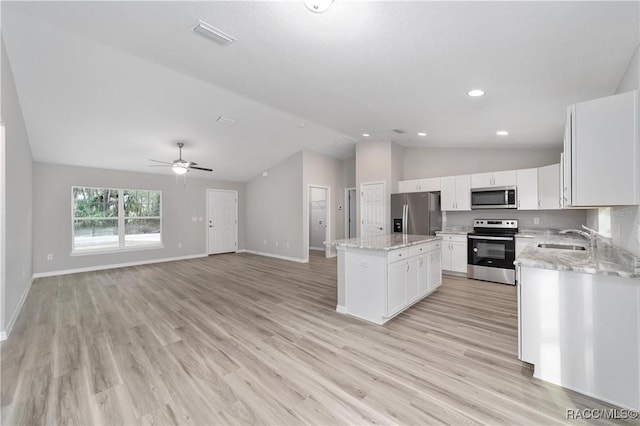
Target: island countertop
{"points": [[385, 242]]}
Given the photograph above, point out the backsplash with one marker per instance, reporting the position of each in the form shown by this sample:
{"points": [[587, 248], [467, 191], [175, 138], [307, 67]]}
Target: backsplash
{"points": [[554, 219]]}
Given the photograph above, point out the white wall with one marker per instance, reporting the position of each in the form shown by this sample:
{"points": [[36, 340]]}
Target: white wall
{"points": [[180, 203], [625, 221], [322, 170], [274, 215], [18, 258], [437, 162], [379, 161]]}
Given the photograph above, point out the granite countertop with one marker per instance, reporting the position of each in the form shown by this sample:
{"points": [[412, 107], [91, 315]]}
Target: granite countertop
{"points": [[385, 242], [606, 259], [456, 229]]}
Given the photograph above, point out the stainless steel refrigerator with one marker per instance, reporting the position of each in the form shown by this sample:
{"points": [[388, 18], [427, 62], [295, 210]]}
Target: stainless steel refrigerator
{"points": [[416, 213]]}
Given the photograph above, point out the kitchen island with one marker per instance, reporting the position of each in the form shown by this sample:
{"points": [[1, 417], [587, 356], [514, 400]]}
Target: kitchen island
{"points": [[380, 276]]}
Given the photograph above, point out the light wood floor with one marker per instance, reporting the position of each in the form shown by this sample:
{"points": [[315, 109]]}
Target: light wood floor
{"points": [[243, 339]]}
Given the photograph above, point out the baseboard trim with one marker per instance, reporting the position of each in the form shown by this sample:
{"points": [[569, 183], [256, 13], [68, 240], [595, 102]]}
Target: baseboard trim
{"points": [[276, 256], [7, 331], [114, 266], [341, 309], [317, 248]]}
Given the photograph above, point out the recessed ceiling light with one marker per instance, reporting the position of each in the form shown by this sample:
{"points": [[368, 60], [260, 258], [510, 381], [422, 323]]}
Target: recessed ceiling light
{"points": [[212, 33], [475, 93], [422, 134], [502, 133], [366, 135], [301, 125]]}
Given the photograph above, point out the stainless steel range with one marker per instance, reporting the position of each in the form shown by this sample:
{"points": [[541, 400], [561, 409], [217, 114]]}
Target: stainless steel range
{"points": [[492, 250]]}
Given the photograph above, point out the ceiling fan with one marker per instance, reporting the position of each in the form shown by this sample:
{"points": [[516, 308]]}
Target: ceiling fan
{"points": [[180, 166]]}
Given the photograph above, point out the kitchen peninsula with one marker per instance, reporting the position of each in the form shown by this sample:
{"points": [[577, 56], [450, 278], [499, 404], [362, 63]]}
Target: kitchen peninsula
{"points": [[382, 275]]}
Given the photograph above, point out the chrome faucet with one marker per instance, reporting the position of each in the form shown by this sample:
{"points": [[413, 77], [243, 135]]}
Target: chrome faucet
{"points": [[590, 235]]}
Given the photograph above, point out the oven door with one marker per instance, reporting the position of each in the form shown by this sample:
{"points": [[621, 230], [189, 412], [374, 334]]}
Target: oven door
{"points": [[492, 251]]}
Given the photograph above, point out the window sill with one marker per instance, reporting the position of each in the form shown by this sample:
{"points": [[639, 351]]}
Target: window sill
{"points": [[115, 250]]}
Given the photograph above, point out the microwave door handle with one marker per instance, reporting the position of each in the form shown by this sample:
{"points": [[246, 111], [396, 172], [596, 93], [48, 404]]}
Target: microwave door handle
{"points": [[479, 237]]}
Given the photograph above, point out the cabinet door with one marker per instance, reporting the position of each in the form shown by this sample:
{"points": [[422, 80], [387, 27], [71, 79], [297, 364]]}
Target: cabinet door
{"points": [[435, 269], [527, 190], [506, 178], [423, 273], [463, 192], [481, 180], [565, 159], [429, 185], [413, 279], [446, 256], [396, 287], [447, 193], [459, 257], [604, 144], [549, 187], [409, 186]]}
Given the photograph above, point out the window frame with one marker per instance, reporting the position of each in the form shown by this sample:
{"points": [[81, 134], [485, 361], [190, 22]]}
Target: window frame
{"points": [[121, 220]]}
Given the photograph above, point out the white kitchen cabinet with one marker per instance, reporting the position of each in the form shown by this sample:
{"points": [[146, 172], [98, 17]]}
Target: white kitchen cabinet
{"points": [[549, 187], [488, 180], [454, 253], [419, 185], [581, 331], [379, 284], [455, 193], [601, 152], [396, 287], [435, 269], [527, 190]]}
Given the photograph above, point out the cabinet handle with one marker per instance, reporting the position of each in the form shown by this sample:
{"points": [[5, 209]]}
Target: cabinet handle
{"points": [[407, 267]]}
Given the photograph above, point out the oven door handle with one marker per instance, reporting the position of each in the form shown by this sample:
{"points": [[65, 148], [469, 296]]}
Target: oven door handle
{"points": [[478, 237]]}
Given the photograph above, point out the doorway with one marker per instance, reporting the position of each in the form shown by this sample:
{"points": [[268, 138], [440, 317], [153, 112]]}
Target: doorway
{"points": [[319, 230], [222, 221], [350, 228], [372, 209]]}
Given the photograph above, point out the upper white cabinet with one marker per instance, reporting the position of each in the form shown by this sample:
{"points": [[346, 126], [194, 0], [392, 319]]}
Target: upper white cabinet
{"points": [[601, 152], [455, 193], [549, 187], [527, 191], [419, 185], [487, 180]]}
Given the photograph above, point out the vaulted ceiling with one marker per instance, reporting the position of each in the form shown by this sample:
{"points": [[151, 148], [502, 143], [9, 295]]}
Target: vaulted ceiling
{"points": [[112, 84]]}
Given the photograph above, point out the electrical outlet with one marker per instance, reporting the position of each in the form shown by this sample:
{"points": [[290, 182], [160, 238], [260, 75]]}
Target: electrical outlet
{"points": [[287, 244], [536, 221], [179, 245], [50, 256], [276, 244], [193, 219], [200, 219], [265, 242]]}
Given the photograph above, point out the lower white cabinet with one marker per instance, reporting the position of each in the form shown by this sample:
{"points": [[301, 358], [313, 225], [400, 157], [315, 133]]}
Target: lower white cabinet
{"points": [[380, 284], [454, 253]]}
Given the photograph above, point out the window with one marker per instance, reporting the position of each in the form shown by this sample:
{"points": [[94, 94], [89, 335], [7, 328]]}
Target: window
{"points": [[113, 219]]}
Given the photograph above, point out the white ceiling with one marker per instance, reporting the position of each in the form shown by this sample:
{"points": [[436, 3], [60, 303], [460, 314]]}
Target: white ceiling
{"points": [[112, 84]]}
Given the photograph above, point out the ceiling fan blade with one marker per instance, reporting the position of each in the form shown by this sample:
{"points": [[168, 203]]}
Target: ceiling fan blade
{"points": [[159, 165], [158, 161], [201, 168]]}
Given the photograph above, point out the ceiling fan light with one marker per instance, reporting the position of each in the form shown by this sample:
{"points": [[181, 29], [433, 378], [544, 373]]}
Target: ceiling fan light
{"points": [[318, 6], [180, 168]]}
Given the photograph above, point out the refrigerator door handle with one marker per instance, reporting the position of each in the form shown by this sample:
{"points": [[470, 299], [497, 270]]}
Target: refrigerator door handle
{"points": [[405, 214]]}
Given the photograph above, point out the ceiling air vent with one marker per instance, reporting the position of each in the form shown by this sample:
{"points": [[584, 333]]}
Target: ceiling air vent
{"points": [[226, 120], [212, 33], [399, 131]]}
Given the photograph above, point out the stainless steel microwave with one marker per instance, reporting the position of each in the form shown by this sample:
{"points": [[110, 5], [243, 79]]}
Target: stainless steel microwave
{"points": [[494, 198]]}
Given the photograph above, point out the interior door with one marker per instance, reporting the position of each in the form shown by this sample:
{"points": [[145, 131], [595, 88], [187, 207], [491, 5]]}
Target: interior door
{"points": [[222, 221], [372, 207]]}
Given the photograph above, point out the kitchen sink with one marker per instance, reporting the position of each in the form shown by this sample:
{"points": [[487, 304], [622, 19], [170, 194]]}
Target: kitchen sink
{"points": [[561, 246]]}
